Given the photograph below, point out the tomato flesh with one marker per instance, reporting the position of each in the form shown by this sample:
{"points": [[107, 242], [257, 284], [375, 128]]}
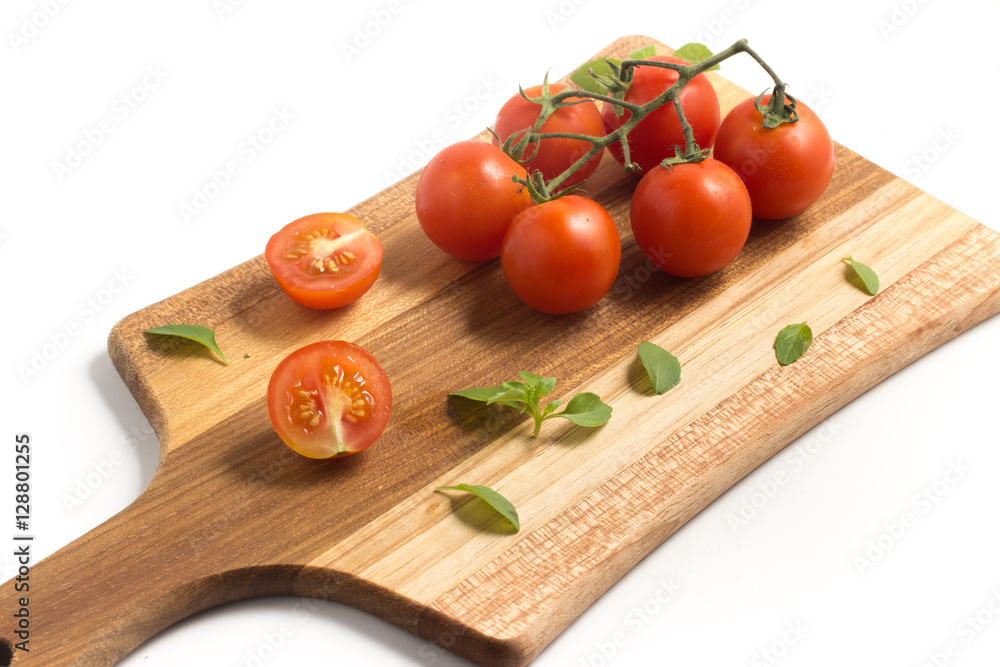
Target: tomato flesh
{"points": [[329, 399], [324, 260]]}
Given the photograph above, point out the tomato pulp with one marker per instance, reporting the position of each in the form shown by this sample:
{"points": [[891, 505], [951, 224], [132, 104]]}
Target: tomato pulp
{"points": [[329, 399], [324, 260]]}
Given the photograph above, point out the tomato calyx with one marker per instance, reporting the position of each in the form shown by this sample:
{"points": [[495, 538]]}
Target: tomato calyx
{"points": [[775, 112], [689, 156]]}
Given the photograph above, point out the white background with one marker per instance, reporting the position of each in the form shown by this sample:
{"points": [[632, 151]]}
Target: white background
{"points": [[893, 80]]}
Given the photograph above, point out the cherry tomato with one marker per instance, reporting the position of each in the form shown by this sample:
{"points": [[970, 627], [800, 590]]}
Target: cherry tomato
{"points": [[692, 219], [786, 168], [324, 260], [329, 399], [562, 256], [654, 137], [554, 155], [465, 199]]}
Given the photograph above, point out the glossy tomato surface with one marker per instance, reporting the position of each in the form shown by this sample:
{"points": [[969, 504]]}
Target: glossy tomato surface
{"points": [[324, 260], [329, 399], [553, 155], [655, 137], [786, 168], [465, 199], [692, 219], [562, 256]]}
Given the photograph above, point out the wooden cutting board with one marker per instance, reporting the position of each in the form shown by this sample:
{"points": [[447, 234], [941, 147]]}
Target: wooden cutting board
{"points": [[231, 513]]}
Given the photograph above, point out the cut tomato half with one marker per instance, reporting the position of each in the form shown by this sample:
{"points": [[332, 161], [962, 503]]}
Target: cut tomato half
{"points": [[324, 260], [329, 399]]}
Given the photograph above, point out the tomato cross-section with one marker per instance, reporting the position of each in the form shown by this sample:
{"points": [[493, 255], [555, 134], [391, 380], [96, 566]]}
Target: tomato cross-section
{"points": [[329, 399], [324, 260]]}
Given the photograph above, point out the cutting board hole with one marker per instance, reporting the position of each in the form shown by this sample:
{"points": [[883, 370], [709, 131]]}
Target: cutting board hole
{"points": [[6, 653]]}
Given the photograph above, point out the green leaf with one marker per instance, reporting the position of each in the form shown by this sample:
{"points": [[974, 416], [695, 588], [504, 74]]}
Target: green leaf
{"points": [[586, 409], [694, 53], [483, 394], [492, 498], [663, 368], [195, 332], [792, 342], [511, 394], [583, 79], [551, 407], [541, 386], [643, 53], [868, 277]]}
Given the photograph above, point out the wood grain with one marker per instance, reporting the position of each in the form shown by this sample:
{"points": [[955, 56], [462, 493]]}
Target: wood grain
{"points": [[231, 513]]}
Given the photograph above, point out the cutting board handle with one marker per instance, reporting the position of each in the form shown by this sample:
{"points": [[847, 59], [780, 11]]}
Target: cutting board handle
{"points": [[100, 597]]}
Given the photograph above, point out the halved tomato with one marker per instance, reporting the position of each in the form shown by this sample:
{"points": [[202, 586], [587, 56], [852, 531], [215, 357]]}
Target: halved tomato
{"points": [[329, 399], [324, 260]]}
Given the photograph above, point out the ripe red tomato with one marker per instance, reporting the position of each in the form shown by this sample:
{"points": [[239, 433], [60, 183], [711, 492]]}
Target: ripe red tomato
{"points": [[465, 199], [562, 256], [324, 260], [654, 137], [329, 399], [692, 219], [786, 168], [554, 155]]}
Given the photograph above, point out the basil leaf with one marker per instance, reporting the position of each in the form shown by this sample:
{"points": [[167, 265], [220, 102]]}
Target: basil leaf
{"points": [[694, 53], [868, 277], [483, 394], [663, 368], [643, 53], [511, 394], [583, 79], [542, 386], [195, 332], [792, 342], [492, 498], [586, 409]]}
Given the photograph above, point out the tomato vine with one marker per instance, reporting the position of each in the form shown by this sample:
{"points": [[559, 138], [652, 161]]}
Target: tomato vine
{"points": [[780, 109]]}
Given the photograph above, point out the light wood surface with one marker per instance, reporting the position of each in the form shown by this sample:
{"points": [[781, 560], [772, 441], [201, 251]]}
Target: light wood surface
{"points": [[231, 513]]}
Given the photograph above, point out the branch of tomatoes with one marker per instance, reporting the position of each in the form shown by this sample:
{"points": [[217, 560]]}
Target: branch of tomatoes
{"points": [[523, 146]]}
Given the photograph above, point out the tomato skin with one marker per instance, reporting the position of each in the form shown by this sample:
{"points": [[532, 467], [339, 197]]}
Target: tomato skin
{"points": [[329, 399], [654, 137], [786, 168], [562, 256], [693, 219], [465, 199], [554, 155], [344, 279]]}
